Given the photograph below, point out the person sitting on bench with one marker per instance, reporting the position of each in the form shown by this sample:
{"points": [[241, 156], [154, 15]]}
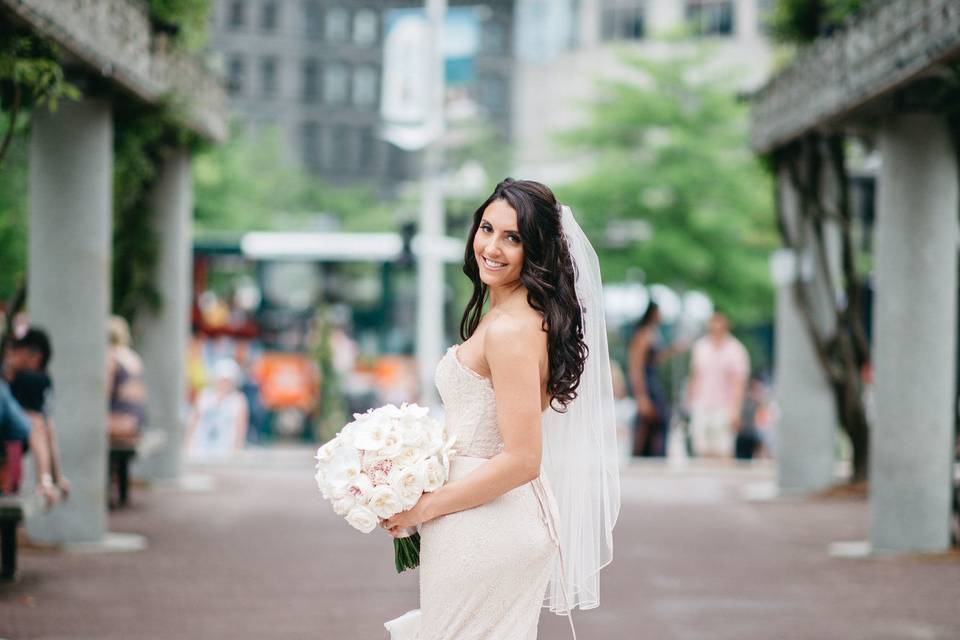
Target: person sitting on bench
{"points": [[25, 369]]}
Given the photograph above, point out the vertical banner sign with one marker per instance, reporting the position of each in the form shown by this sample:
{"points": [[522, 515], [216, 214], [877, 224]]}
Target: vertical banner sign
{"points": [[405, 89]]}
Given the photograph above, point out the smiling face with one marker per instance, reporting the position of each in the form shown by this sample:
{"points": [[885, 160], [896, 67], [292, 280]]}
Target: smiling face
{"points": [[497, 245]]}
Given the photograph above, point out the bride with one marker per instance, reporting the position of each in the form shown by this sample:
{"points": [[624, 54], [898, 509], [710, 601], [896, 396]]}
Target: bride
{"points": [[526, 517]]}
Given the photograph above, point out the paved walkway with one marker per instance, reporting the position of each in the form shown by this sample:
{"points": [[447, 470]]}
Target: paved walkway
{"points": [[260, 556]]}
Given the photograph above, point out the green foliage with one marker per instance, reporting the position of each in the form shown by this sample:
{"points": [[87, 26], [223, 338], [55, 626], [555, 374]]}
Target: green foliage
{"points": [[187, 19], [14, 212], [249, 183], [30, 75], [672, 152], [143, 136], [802, 21], [332, 410]]}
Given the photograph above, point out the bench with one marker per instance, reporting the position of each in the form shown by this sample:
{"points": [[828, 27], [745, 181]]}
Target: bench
{"points": [[11, 506], [11, 515], [123, 453]]}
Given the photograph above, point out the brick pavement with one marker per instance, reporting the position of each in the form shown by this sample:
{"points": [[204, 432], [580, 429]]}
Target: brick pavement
{"points": [[260, 556]]}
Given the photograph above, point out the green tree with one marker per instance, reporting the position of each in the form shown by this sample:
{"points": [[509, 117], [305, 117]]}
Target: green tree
{"points": [[249, 183], [670, 155], [802, 21]]}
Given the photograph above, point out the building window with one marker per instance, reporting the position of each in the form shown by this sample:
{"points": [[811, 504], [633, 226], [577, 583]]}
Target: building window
{"points": [[310, 86], [268, 15], [268, 76], [236, 75], [310, 141], [365, 28], [237, 14], [312, 19], [710, 17], [337, 27], [368, 150], [364, 86], [339, 148], [335, 83], [624, 20], [494, 37]]}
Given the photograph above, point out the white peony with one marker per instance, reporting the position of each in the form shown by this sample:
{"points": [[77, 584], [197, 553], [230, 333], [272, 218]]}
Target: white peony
{"points": [[361, 489], [384, 501], [362, 519], [408, 483]]}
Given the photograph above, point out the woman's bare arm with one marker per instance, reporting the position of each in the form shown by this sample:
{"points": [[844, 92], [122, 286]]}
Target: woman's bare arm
{"points": [[512, 351]]}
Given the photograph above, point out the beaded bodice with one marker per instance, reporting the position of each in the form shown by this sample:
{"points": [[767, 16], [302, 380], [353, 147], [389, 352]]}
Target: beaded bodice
{"points": [[469, 407]]}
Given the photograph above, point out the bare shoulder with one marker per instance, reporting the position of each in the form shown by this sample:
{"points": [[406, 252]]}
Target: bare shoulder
{"points": [[515, 331]]}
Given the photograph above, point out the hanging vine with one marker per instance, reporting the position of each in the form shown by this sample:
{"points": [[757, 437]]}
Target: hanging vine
{"points": [[144, 135], [30, 75], [840, 343]]}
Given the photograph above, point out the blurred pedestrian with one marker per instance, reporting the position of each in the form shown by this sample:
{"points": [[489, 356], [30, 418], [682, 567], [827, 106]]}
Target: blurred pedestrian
{"points": [[25, 369], [718, 380], [128, 391], [653, 411], [219, 423]]}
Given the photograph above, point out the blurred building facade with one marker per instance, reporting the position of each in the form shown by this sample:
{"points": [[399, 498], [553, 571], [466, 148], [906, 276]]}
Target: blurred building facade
{"points": [[313, 69], [565, 46]]}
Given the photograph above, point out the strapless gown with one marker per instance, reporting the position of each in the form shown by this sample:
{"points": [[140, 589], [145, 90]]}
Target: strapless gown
{"points": [[483, 571]]}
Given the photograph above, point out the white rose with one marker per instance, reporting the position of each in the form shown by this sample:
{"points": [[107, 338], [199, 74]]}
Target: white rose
{"points": [[342, 506], [409, 456], [392, 446], [384, 501], [362, 519], [434, 474], [408, 483]]}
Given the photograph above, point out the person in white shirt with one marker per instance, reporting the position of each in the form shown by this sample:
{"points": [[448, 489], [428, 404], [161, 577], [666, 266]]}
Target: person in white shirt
{"points": [[719, 370]]}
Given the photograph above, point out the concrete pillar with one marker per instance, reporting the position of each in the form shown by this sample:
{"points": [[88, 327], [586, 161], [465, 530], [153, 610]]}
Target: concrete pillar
{"points": [[805, 433], [71, 175], [589, 24], [915, 330], [162, 336]]}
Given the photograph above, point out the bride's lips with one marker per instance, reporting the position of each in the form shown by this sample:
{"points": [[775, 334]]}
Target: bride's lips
{"points": [[484, 261]]}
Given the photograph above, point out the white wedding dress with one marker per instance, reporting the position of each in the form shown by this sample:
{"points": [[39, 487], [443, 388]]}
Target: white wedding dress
{"points": [[483, 571]]}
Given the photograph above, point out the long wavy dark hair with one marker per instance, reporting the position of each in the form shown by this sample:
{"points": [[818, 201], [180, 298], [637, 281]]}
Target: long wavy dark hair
{"points": [[548, 276]]}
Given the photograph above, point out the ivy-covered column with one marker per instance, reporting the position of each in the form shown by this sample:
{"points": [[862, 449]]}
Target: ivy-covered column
{"points": [[162, 334], [915, 331], [805, 431], [71, 170]]}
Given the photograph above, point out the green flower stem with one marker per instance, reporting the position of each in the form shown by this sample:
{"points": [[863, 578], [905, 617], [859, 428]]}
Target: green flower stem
{"points": [[406, 552]]}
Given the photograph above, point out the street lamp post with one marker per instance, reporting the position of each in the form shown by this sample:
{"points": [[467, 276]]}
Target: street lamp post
{"points": [[429, 266]]}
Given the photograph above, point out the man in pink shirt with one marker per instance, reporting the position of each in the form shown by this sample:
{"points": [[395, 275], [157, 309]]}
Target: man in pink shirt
{"points": [[719, 369]]}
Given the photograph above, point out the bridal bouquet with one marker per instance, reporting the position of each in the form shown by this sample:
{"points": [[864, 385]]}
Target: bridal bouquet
{"points": [[380, 464]]}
